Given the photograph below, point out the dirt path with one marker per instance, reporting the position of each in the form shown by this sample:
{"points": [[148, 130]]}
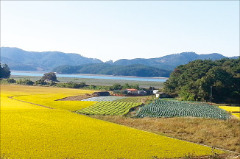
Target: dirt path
{"points": [[12, 97], [75, 98]]}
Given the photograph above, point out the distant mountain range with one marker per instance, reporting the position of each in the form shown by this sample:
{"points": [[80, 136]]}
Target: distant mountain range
{"points": [[19, 59], [169, 62]]}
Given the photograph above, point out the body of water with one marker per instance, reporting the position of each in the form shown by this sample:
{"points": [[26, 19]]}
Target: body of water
{"points": [[17, 73]]}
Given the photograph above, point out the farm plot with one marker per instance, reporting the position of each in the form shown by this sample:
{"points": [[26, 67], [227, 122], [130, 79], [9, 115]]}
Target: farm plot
{"points": [[109, 108], [161, 108], [31, 131], [103, 98]]}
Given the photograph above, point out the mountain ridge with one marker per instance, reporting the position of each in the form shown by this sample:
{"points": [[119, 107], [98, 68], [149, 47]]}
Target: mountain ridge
{"points": [[45, 60], [19, 59], [174, 59]]}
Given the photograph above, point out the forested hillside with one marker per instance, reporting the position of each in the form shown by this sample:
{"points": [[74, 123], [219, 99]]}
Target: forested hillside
{"points": [[206, 80], [108, 69]]}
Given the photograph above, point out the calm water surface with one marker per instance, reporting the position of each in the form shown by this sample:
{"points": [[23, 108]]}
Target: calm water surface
{"points": [[17, 73]]}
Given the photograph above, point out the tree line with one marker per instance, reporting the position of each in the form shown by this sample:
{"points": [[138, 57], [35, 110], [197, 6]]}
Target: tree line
{"points": [[118, 70], [50, 79], [206, 80]]}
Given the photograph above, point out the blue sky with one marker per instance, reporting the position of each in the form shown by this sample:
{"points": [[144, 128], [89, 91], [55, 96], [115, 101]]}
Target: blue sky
{"points": [[111, 30]]}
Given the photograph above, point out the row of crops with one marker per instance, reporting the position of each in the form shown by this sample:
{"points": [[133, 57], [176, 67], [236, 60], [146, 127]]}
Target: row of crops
{"points": [[164, 108], [131, 99], [109, 108]]}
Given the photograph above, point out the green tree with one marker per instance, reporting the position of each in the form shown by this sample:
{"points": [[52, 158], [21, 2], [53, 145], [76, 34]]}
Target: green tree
{"points": [[219, 84], [51, 76], [116, 86], [4, 71]]}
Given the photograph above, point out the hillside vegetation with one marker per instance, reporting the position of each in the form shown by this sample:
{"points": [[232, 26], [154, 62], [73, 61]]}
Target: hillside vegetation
{"points": [[206, 80], [108, 69]]}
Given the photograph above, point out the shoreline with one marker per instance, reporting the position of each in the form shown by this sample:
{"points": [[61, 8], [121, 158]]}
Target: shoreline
{"points": [[101, 75]]}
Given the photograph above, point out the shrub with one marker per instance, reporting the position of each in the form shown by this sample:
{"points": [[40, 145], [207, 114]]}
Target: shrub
{"points": [[72, 85], [40, 82], [25, 82], [11, 80], [51, 76]]}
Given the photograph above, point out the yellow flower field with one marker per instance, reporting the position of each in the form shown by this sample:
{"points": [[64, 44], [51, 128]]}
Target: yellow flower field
{"points": [[230, 109], [234, 110], [49, 101], [47, 95], [31, 131], [236, 115]]}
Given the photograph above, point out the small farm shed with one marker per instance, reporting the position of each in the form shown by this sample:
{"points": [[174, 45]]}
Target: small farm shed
{"points": [[101, 94], [155, 91]]}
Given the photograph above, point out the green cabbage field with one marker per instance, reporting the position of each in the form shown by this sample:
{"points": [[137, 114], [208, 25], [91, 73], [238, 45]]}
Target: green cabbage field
{"points": [[164, 108]]}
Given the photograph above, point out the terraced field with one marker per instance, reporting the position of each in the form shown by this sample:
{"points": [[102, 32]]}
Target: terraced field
{"points": [[164, 108], [32, 131]]}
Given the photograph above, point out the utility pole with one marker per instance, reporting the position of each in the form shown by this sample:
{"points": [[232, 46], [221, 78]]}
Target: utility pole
{"points": [[211, 94]]}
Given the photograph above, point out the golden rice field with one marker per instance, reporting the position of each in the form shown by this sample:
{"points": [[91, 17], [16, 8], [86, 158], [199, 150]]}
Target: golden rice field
{"points": [[234, 110], [236, 115], [32, 131]]}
